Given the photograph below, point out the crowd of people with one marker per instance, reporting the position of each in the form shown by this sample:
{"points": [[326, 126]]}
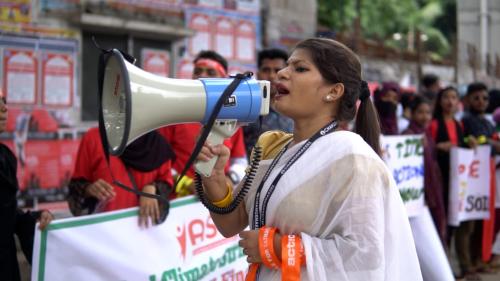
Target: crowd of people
{"points": [[448, 119], [317, 182]]}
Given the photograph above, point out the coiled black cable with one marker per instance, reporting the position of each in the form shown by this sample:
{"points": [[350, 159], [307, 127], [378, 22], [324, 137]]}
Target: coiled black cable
{"points": [[252, 171]]}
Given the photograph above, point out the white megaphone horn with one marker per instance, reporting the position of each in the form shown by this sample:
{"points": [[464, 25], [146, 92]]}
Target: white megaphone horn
{"points": [[135, 102]]}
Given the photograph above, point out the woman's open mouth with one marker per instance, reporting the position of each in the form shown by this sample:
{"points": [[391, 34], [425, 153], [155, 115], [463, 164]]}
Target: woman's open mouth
{"points": [[281, 90]]}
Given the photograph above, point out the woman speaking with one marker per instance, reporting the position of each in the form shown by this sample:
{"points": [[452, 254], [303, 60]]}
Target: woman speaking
{"points": [[323, 205]]}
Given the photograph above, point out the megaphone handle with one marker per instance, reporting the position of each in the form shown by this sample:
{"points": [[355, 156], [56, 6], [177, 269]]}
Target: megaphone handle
{"points": [[221, 130], [205, 168]]}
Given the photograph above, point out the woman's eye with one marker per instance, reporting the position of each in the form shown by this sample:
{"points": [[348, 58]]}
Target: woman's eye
{"points": [[300, 69]]}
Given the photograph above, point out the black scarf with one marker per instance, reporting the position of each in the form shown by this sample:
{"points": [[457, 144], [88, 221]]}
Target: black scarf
{"points": [[147, 153], [8, 174]]}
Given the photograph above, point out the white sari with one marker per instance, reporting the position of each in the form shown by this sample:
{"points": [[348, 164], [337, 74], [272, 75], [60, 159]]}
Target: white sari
{"points": [[342, 199]]}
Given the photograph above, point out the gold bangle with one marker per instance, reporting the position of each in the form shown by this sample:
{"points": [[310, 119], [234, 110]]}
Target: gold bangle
{"points": [[226, 200]]}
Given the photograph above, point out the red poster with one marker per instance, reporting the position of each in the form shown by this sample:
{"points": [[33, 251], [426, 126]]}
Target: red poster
{"points": [[156, 62], [48, 164], [245, 41], [185, 69], [57, 79], [20, 76], [202, 39], [224, 37]]}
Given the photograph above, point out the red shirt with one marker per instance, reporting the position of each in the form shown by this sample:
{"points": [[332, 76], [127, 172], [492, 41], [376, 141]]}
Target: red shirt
{"points": [[450, 128], [183, 137], [91, 165]]}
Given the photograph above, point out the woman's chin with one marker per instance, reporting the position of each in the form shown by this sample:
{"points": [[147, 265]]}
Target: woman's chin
{"points": [[281, 109]]}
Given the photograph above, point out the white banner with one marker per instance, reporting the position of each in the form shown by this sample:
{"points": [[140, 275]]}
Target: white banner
{"points": [[469, 184], [404, 155], [111, 246]]}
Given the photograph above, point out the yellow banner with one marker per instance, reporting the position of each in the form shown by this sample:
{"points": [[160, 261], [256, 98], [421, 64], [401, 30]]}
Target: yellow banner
{"points": [[15, 11]]}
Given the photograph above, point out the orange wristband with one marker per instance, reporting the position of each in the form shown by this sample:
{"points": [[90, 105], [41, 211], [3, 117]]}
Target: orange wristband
{"points": [[266, 247], [291, 256], [252, 272]]}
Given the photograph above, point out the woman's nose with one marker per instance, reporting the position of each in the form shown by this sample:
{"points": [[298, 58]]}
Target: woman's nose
{"points": [[283, 74]]}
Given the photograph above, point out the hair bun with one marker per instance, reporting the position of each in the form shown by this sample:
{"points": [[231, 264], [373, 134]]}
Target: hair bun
{"points": [[365, 91]]}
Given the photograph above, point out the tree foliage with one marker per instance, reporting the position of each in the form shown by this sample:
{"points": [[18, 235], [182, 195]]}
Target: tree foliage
{"points": [[381, 19]]}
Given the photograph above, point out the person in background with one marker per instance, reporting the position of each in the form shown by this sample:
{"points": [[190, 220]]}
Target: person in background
{"points": [[494, 101], [269, 62], [447, 132], [475, 124], [478, 128], [495, 260], [429, 226], [421, 116], [14, 220], [386, 102], [183, 137], [430, 87], [405, 116], [145, 164]]}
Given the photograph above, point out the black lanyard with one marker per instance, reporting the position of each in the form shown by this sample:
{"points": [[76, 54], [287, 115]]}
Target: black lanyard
{"points": [[259, 218]]}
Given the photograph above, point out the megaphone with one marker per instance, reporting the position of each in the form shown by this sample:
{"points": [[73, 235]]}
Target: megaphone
{"points": [[135, 102]]}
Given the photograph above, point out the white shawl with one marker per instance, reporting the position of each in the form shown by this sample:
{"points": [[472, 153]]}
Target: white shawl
{"points": [[343, 201]]}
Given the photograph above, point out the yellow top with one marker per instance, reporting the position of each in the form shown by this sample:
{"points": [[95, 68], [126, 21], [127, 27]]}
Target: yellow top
{"points": [[272, 142]]}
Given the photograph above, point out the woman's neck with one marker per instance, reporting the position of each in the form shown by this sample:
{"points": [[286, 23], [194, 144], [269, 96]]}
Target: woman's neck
{"points": [[447, 116], [306, 128]]}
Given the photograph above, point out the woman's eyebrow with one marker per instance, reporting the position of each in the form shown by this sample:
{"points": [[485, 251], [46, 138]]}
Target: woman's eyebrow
{"points": [[295, 61]]}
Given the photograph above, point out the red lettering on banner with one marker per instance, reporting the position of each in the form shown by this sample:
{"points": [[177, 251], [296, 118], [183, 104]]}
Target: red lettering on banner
{"points": [[240, 276], [473, 169], [461, 169], [228, 275], [198, 235], [181, 237], [196, 231], [211, 229]]}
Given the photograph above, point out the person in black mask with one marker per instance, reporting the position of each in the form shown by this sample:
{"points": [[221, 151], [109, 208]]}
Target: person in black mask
{"points": [[14, 220], [386, 102], [146, 164]]}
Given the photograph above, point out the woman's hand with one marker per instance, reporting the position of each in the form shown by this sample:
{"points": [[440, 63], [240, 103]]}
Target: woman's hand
{"points": [[472, 142], [45, 218], [250, 244], [101, 190], [215, 185], [208, 152], [149, 210], [445, 146]]}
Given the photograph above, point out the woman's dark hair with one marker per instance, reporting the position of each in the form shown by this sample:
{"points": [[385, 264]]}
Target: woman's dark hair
{"points": [[494, 103], [438, 110], [418, 100], [338, 64]]}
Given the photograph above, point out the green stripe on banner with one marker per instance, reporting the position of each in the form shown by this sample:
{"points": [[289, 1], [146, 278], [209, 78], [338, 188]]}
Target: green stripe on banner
{"points": [[105, 218], [43, 250]]}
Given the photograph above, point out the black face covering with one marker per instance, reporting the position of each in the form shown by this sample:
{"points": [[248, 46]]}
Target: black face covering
{"points": [[148, 152], [386, 108], [387, 114]]}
